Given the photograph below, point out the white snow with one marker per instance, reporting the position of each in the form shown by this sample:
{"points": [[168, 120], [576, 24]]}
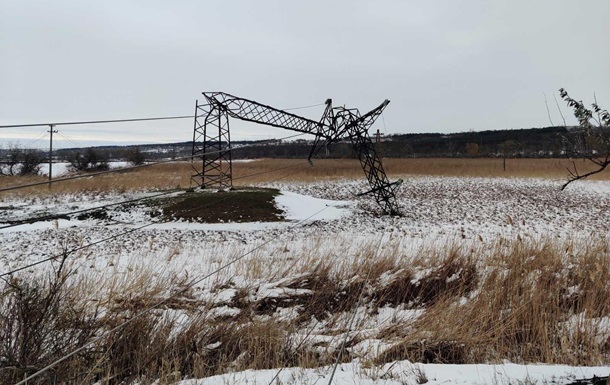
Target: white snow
{"points": [[223, 311], [244, 160], [405, 372], [301, 207]]}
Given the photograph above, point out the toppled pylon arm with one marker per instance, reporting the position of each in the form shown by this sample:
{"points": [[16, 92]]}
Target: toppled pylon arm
{"points": [[211, 139]]}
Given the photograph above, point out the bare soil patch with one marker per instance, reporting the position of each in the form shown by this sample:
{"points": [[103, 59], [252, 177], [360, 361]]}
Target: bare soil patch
{"points": [[237, 205]]}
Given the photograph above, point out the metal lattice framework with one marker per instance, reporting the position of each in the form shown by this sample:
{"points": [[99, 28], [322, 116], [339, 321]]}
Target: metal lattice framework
{"points": [[212, 144], [211, 140]]}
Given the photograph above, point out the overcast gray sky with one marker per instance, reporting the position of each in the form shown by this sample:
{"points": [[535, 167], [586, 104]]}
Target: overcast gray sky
{"points": [[446, 66]]}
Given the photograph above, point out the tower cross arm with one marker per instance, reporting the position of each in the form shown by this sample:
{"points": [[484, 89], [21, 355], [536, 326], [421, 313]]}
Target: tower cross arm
{"points": [[252, 111]]}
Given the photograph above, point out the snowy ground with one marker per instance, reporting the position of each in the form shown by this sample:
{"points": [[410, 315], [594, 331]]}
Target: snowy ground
{"points": [[328, 218]]}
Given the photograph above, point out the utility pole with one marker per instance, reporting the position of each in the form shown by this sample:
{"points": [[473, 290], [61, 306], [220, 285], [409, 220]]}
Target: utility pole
{"points": [[51, 131], [378, 141]]}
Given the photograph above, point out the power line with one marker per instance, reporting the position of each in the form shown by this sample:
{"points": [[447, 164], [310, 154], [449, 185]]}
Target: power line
{"points": [[303, 107], [54, 257], [78, 145], [59, 216], [265, 172], [316, 324], [32, 142], [383, 120], [318, 321], [97, 121], [97, 173], [83, 247], [159, 303], [353, 318], [71, 123], [296, 348]]}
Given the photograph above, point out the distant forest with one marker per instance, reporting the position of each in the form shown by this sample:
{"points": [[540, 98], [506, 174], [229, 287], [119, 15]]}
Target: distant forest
{"points": [[528, 143]]}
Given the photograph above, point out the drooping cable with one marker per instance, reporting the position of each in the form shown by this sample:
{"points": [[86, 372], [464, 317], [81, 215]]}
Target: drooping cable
{"points": [[97, 173], [303, 107], [77, 145], [63, 215], [83, 247], [353, 318], [34, 141], [159, 303]]}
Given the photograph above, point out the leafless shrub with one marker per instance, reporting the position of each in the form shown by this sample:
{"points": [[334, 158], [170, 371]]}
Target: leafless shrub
{"points": [[135, 156], [88, 160]]}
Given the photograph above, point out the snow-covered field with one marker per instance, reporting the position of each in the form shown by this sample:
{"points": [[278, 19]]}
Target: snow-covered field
{"points": [[435, 209], [323, 220]]}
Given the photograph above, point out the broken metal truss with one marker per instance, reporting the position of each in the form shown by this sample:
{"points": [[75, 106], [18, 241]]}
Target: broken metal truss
{"points": [[212, 145]]}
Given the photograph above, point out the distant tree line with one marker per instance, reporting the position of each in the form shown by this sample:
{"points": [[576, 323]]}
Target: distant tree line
{"points": [[547, 142]]}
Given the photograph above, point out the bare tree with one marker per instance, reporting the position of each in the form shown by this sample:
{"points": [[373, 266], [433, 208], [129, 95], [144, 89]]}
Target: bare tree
{"points": [[472, 149], [20, 161], [591, 141], [88, 160], [30, 162], [12, 158], [135, 156]]}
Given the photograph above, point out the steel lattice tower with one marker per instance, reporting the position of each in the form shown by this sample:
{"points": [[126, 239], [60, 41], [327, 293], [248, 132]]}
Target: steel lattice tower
{"points": [[211, 145], [211, 139]]}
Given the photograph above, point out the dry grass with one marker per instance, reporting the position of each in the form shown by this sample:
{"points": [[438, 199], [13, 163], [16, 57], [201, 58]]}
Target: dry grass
{"points": [[161, 176], [536, 302], [350, 168], [524, 301], [177, 174]]}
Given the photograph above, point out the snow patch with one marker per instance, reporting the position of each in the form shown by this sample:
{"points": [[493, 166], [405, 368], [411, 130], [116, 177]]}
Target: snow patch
{"points": [[302, 207]]}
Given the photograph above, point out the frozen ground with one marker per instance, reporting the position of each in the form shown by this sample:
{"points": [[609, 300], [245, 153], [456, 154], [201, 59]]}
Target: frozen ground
{"points": [[325, 218]]}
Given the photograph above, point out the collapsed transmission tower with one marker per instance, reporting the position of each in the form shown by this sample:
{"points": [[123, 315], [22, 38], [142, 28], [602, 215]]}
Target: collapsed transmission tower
{"points": [[212, 144]]}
